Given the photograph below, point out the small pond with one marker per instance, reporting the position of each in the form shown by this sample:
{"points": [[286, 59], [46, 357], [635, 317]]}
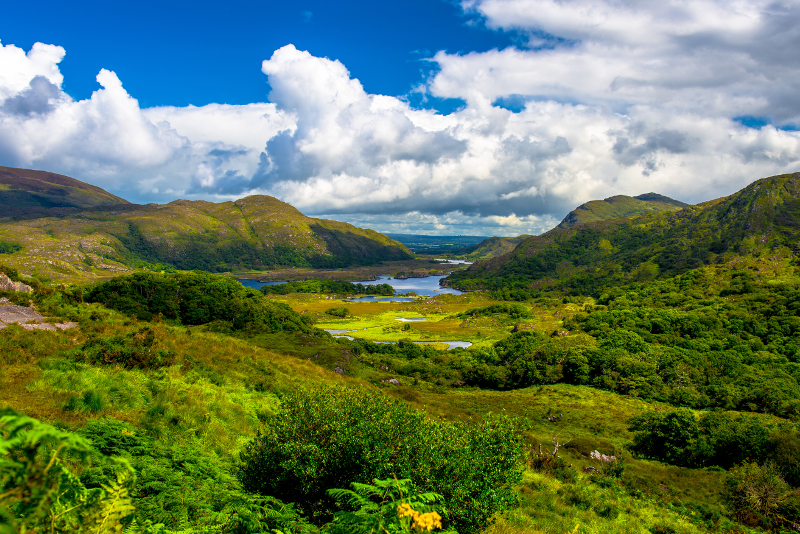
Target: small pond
{"points": [[407, 319]]}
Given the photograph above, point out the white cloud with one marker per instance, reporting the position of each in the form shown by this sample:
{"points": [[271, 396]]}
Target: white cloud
{"points": [[630, 99]]}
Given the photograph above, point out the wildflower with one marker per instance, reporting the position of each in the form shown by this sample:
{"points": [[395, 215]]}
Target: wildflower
{"points": [[427, 522], [405, 510]]}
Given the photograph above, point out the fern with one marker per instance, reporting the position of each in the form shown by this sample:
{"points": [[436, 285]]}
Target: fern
{"points": [[114, 507], [377, 507]]}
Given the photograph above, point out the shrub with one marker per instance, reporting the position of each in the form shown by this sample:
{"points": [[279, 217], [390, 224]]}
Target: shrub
{"points": [[338, 312], [553, 466], [332, 437], [758, 494], [196, 298], [133, 351]]}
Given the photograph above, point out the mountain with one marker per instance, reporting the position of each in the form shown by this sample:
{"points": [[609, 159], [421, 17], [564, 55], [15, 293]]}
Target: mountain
{"points": [[436, 244], [491, 247], [620, 206], [762, 219], [256, 232], [25, 190]]}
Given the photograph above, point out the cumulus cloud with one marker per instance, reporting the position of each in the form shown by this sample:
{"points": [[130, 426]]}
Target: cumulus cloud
{"points": [[612, 98]]}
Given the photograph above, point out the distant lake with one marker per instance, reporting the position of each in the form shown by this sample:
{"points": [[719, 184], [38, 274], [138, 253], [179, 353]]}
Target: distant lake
{"points": [[453, 262], [428, 286], [255, 284]]}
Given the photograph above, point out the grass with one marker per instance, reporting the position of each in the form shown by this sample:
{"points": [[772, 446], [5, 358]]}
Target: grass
{"points": [[377, 321], [220, 388]]}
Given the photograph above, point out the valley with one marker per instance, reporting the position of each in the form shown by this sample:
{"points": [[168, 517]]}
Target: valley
{"points": [[635, 371]]}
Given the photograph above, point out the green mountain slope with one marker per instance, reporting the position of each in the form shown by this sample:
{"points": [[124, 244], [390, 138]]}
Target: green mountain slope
{"points": [[762, 219], [492, 247], [25, 190], [255, 232], [620, 206]]}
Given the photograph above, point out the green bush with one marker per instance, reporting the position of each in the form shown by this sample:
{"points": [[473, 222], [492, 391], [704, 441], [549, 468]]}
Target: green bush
{"points": [[759, 496], [133, 351], [9, 248], [328, 286], [332, 437], [196, 298], [338, 312]]}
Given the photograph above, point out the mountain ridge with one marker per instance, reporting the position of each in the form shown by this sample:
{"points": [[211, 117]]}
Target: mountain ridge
{"points": [[620, 206], [764, 217], [254, 233]]}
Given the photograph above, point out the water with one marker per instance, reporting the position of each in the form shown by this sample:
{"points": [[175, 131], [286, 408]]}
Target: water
{"points": [[406, 319], [255, 284], [453, 262], [428, 286], [383, 299], [455, 344]]}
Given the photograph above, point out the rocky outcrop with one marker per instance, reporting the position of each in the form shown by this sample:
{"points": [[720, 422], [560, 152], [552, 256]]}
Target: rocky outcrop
{"points": [[27, 318], [6, 284]]}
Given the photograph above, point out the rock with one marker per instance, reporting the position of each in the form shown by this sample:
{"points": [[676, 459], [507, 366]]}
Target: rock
{"points": [[392, 381], [596, 455], [591, 470], [6, 284], [338, 370]]}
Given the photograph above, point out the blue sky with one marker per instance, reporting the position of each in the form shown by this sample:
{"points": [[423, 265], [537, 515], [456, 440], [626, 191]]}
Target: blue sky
{"points": [[488, 117], [181, 53]]}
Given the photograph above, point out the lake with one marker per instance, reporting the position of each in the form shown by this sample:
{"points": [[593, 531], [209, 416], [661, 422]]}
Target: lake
{"points": [[255, 284], [428, 286]]}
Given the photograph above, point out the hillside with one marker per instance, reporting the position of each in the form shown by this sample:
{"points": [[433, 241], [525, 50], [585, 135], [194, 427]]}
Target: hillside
{"points": [[491, 247], [25, 190], [620, 206], [762, 219], [597, 210], [256, 232]]}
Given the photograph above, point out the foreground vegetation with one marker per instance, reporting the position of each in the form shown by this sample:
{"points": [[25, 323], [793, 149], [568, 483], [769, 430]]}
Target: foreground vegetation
{"points": [[167, 421], [637, 377]]}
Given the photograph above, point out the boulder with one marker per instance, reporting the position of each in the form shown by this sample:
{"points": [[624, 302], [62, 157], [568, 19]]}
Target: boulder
{"points": [[6, 284]]}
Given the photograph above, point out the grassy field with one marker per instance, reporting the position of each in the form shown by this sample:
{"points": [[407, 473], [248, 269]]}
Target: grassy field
{"points": [[378, 321]]}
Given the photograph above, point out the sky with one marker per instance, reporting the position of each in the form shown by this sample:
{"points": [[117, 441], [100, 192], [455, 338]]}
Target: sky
{"points": [[482, 117]]}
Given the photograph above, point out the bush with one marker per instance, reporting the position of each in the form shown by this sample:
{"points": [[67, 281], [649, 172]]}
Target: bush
{"points": [[338, 312], [196, 298], [758, 495], [332, 437], [553, 466], [133, 351]]}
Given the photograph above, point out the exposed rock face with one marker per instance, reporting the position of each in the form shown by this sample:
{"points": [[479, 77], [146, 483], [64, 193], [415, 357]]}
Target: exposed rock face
{"points": [[6, 284], [28, 318]]}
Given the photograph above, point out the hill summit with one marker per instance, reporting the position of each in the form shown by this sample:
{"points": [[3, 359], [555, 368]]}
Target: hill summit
{"points": [[620, 206], [761, 219], [107, 235], [23, 190]]}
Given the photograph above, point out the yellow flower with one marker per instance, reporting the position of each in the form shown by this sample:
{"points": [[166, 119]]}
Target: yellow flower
{"points": [[405, 510], [427, 522]]}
